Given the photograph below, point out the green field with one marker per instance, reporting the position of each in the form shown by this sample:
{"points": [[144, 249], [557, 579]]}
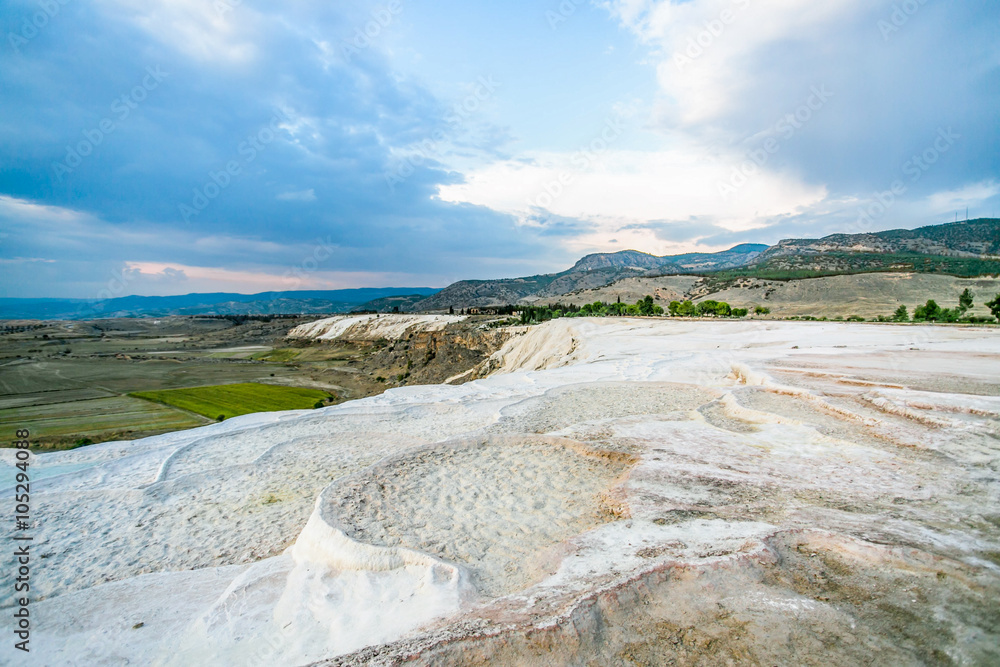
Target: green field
{"points": [[60, 425], [231, 400]]}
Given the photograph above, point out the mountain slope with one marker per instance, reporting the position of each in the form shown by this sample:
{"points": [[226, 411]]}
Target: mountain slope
{"points": [[590, 272], [974, 238], [968, 248]]}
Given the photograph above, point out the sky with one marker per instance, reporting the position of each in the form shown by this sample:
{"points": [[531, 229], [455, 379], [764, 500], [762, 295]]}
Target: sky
{"points": [[173, 146]]}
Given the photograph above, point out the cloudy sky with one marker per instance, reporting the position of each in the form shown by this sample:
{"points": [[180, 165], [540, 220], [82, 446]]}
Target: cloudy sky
{"points": [[174, 146]]}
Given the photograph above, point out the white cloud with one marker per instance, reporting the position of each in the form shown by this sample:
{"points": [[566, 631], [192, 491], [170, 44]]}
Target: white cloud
{"points": [[209, 31], [171, 278], [705, 52], [626, 187], [970, 195], [707, 47]]}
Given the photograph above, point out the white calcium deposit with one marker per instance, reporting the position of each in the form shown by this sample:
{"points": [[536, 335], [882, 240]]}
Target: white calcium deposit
{"points": [[597, 450], [372, 327]]}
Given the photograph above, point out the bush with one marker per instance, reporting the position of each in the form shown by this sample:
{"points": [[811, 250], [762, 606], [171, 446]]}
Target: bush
{"points": [[761, 310], [220, 418]]}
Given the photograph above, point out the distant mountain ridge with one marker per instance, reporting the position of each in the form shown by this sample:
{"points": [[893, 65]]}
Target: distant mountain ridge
{"points": [[215, 303], [974, 239], [735, 256], [964, 248], [590, 272]]}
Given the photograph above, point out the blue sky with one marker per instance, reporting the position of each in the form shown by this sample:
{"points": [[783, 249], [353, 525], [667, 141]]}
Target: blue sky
{"points": [[174, 146]]}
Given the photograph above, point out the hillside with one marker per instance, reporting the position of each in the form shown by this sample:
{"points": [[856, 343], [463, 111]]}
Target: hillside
{"points": [[974, 238], [865, 294], [590, 272], [963, 249], [740, 255]]}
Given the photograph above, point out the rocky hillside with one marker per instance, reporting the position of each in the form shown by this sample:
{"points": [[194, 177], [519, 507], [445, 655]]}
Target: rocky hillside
{"points": [[740, 255], [974, 238], [968, 249], [591, 272]]}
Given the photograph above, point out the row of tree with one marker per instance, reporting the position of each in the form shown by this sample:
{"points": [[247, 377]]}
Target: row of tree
{"points": [[645, 306], [711, 308], [932, 312], [929, 312]]}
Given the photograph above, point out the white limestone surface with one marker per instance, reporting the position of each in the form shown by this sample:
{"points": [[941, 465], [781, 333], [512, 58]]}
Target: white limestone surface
{"points": [[600, 448], [371, 327]]}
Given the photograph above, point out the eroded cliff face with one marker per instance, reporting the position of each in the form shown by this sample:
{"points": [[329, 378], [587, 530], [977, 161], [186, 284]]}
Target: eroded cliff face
{"points": [[613, 492]]}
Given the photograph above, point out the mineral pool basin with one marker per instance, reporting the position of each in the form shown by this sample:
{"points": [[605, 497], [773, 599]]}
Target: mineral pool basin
{"points": [[494, 504]]}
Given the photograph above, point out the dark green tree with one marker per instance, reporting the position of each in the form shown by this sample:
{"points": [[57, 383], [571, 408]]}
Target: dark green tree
{"points": [[965, 300], [929, 312], [901, 315], [994, 306], [707, 307], [646, 305]]}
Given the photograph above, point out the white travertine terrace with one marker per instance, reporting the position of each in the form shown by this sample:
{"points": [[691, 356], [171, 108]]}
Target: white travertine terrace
{"points": [[603, 462], [372, 327]]}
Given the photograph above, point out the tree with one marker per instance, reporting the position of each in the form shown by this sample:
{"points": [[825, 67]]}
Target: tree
{"points": [[994, 306], [646, 305], [740, 312], [965, 300], [674, 308], [722, 309], [688, 309], [707, 307], [929, 312], [901, 315], [761, 310]]}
